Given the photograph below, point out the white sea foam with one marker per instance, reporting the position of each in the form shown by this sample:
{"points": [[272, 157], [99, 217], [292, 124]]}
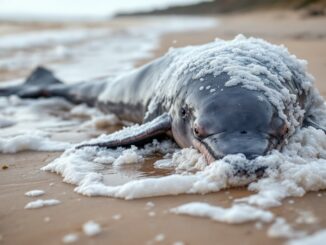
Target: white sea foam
{"points": [[34, 115], [35, 193], [116, 216], [306, 217], [41, 203], [91, 228], [6, 123], [70, 238], [178, 243], [235, 215], [281, 229], [159, 237], [150, 205], [317, 238], [31, 141], [301, 170], [47, 219]]}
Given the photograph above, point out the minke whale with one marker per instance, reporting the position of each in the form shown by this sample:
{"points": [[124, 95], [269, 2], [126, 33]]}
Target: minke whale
{"points": [[243, 96]]}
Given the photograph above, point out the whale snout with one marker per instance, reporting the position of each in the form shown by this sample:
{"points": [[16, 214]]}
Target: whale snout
{"points": [[251, 144]]}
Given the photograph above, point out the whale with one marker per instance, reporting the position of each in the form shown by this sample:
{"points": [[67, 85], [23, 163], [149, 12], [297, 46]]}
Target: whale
{"points": [[240, 96]]}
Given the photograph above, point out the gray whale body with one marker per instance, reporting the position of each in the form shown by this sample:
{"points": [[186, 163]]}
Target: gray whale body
{"points": [[226, 97]]}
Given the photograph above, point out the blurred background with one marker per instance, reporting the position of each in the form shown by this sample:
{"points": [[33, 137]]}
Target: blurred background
{"points": [[85, 39], [81, 10], [103, 9]]}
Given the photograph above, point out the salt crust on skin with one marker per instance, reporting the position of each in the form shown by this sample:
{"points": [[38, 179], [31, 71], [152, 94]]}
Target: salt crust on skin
{"points": [[249, 62], [317, 238], [41, 203], [91, 228], [238, 214], [35, 193], [252, 63]]}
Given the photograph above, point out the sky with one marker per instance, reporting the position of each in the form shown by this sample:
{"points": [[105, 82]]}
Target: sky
{"points": [[39, 9]]}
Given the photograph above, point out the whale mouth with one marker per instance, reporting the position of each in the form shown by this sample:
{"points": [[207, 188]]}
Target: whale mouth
{"points": [[203, 149], [251, 145]]}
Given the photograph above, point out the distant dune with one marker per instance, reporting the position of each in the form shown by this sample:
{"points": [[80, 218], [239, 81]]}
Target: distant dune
{"points": [[314, 7]]}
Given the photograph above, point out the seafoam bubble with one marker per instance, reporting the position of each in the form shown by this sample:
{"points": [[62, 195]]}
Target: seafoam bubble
{"points": [[91, 228], [41, 203]]}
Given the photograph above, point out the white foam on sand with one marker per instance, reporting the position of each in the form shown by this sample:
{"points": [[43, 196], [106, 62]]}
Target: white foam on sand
{"points": [[40, 203], [281, 229], [91, 228], [70, 238], [317, 238], [31, 141], [298, 169], [159, 238], [237, 214], [35, 193]]}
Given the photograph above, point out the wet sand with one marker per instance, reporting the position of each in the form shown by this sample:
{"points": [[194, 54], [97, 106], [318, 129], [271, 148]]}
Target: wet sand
{"points": [[304, 37]]}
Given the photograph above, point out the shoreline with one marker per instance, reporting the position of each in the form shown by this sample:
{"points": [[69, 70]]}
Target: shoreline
{"points": [[136, 226]]}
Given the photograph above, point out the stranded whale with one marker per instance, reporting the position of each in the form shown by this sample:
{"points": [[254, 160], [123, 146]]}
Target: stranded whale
{"points": [[226, 97]]}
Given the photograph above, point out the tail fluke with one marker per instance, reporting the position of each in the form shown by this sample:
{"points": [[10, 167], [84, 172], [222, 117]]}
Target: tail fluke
{"points": [[41, 76], [43, 83], [36, 85]]}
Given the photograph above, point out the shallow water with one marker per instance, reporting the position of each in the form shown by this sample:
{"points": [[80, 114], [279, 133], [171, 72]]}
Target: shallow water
{"points": [[77, 53], [114, 176]]}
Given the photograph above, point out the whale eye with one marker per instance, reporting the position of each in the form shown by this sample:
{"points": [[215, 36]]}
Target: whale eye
{"points": [[184, 112]]}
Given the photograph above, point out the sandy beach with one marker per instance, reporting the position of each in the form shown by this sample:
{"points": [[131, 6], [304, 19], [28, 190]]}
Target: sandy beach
{"points": [[139, 224]]}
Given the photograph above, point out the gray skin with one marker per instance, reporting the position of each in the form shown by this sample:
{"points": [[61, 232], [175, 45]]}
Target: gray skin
{"points": [[230, 120]]}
